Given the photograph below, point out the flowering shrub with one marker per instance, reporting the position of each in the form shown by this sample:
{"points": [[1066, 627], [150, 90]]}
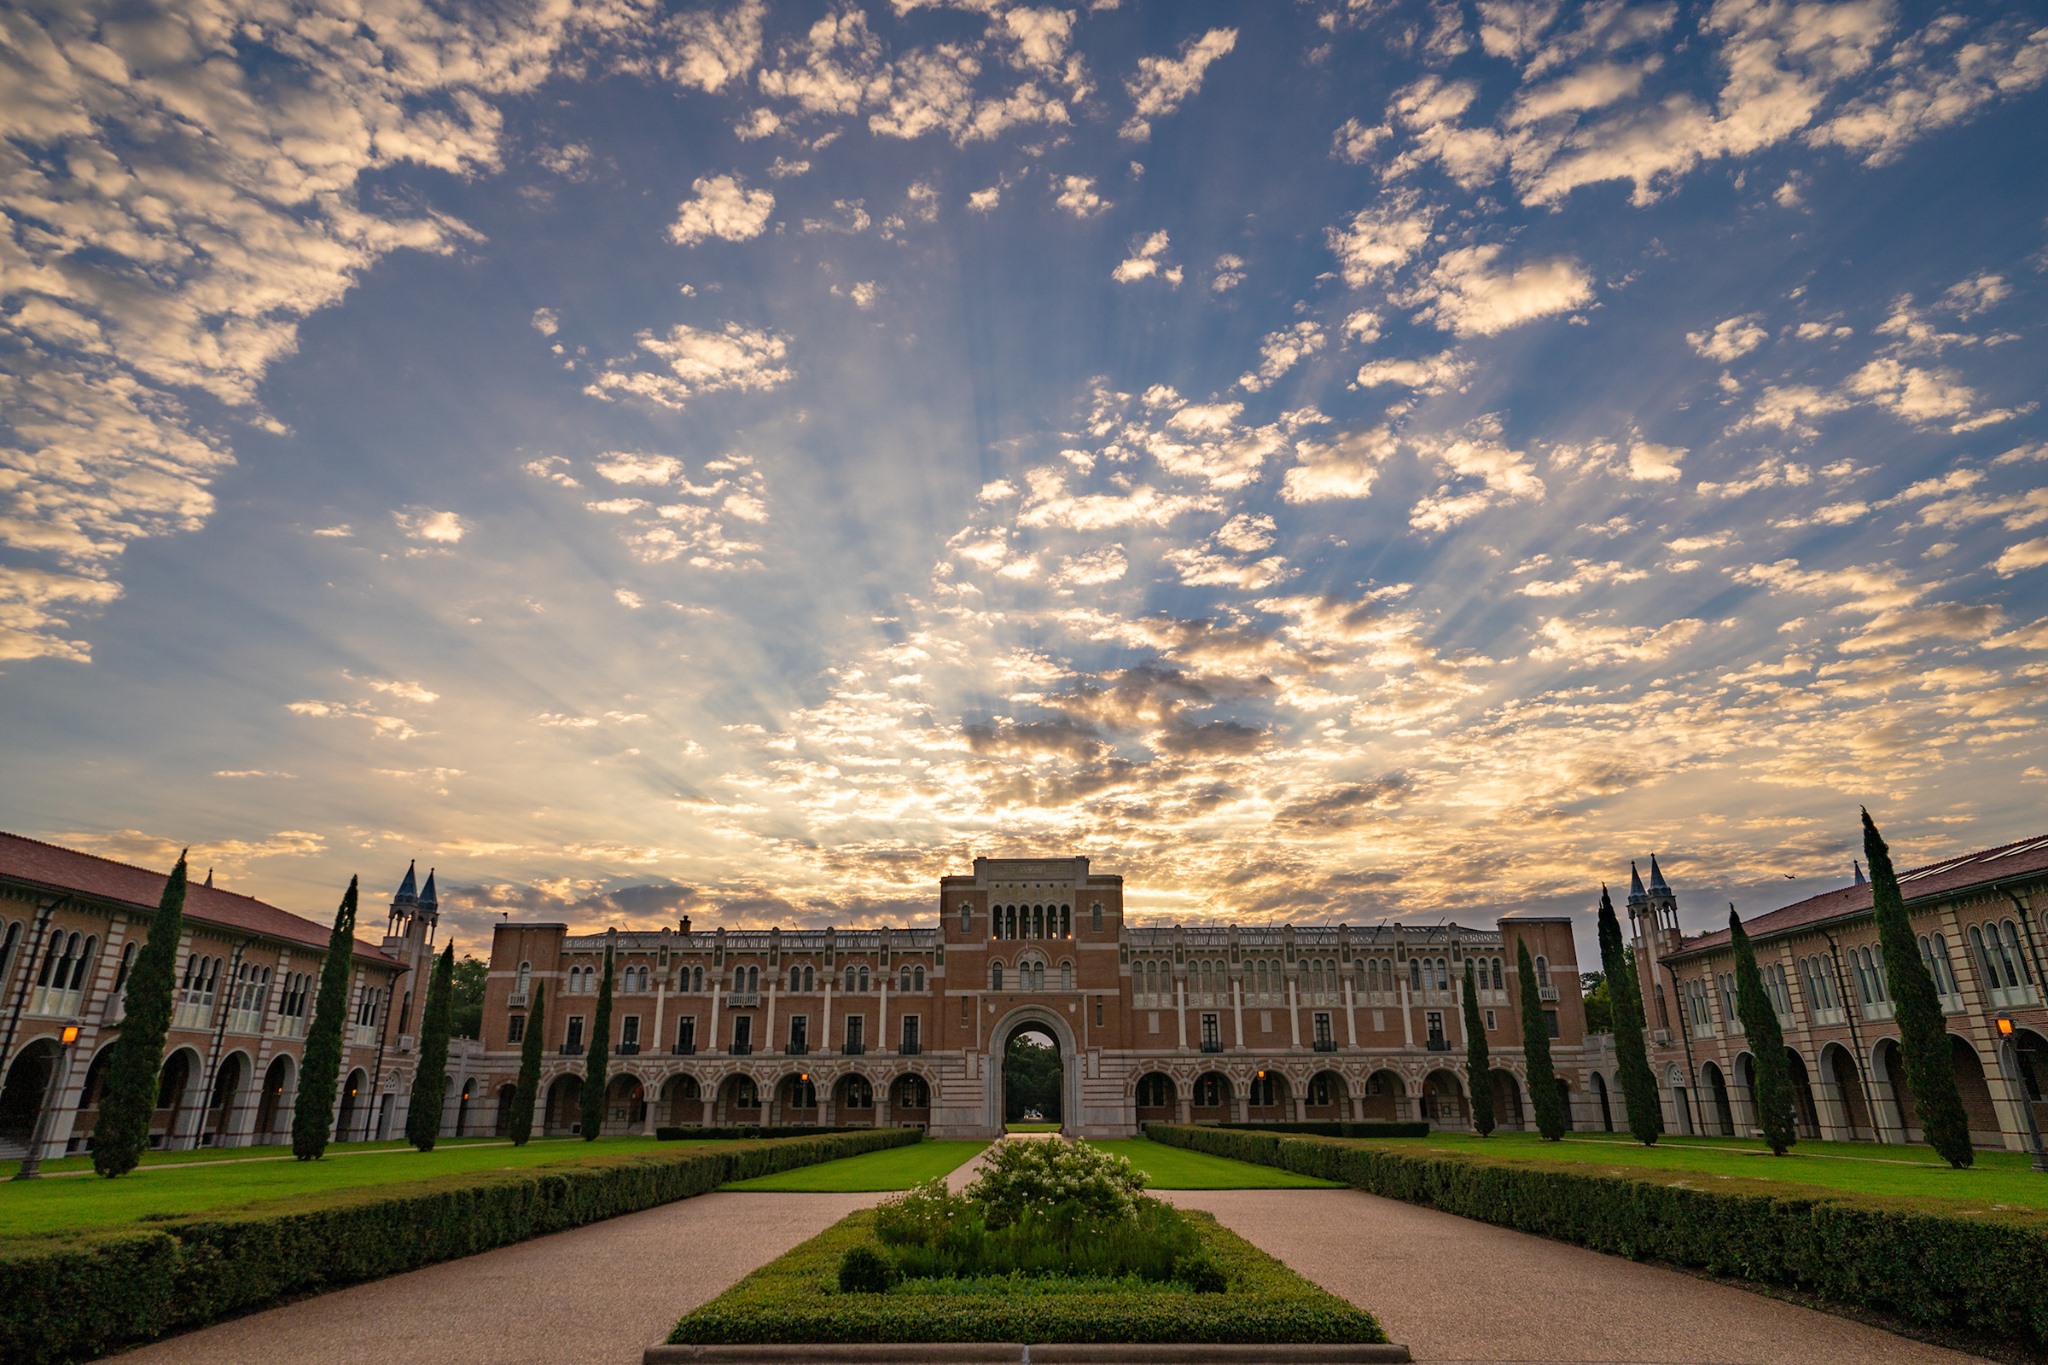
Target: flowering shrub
{"points": [[1048, 1175]]}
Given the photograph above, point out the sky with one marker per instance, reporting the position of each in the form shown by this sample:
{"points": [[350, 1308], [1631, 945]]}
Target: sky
{"points": [[1321, 460]]}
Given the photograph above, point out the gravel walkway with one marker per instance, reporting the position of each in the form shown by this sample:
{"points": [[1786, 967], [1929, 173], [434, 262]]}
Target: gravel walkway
{"points": [[1453, 1289]]}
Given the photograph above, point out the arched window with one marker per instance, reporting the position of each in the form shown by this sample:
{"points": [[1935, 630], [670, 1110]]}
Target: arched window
{"points": [[995, 976], [7, 947], [85, 957], [1264, 1091], [1988, 955], [120, 975], [860, 978], [1066, 976], [848, 988], [903, 980], [966, 918], [917, 979], [525, 976], [913, 1093], [1443, 974], [2014, 953], [1542, 970]]}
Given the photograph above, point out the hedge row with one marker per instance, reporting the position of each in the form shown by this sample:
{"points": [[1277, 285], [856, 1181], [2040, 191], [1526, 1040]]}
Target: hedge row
{"points": [[1976, 1276], [796, 1298], [1338, 1129], [682, 1133], [79, 1298]]}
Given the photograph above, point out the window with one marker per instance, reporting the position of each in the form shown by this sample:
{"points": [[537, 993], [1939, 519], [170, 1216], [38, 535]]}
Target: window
{"points": [[995, 976], [1212, 1034], [1265, 1091], [696, 978], [1324, 1039], [120, 977], [742, 1033], [573, 1039], [856, 1035], [1154, 1091], [966, 918], [799, 1033], [1319, 1092], [525, 976], [1934, 953], [686, 1036], [1542, 971], [1209, 1091], [860, 978], [1550, 1022], [910, 1033], [515, 1029], [1066, 976], [848, 987], [1414, 973], [1095, 917], [2015, 955], [913, 1093], [1098, 1013], [1434, 1021], [859, 1094], [1491, 1024], [903, 980], [629, 1031], [917, 979], [1496, 976]]}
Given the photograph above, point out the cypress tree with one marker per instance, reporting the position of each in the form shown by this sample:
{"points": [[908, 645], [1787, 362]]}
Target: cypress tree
{"points": [[527, 1092], [128, 1102], [1916, 1006], [430, 1078], [320, 1067], [1551, 1120], [594, 1078], [1631, 1050], [1773, 1083], [1478, 1064]]}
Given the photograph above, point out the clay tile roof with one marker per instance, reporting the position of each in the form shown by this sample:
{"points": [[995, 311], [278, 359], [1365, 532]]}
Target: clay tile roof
{"points": [[1930, 882], [66, 869]]}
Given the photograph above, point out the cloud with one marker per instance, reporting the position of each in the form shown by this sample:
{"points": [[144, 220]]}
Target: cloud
{"points": [[1380, 239], [1344, 468], [1433, 374], [698, 362], [1931, 89], [706, 51], [985, 201], [1147, 261], [1161, 84], [1354, 142], [725, 208], [1280, 352], [1229, 273], [1077, 196], [432, 528], [404, 691], [1092, 569], [621, 466], [1924, 396], [2027, 554], [1463, 293], [1586, 641], [1729, 340], [546, 322], [1649, 463]]}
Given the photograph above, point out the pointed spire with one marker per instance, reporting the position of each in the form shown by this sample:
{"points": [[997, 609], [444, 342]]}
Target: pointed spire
{"points": [[209, 877], [1657, 882], [428, 900], [408, 890], [1855, 864], [1635, 880]]}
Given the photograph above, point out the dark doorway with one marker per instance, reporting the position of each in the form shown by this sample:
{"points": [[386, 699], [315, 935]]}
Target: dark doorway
{"points": [[1032, 1072], [22, 1096]]}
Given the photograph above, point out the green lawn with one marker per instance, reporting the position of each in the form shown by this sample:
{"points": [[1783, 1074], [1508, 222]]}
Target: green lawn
{"points": [[276, 1152], [44, 1206], [896, 1168], [1176, 1168], [1031, 1127], [1998, 1182]]}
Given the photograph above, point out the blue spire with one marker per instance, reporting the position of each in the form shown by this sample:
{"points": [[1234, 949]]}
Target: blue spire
{"points": [[1635, 880], [1657, 877], [428, 900], [408, 890], [1857, 865]]}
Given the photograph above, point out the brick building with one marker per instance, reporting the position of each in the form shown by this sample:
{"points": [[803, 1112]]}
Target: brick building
{"points": [[247, 974], [910, 1025], [1973, 917]]}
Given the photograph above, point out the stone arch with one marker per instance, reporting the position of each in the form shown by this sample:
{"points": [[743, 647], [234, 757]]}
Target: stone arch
{"points": [[501, 1116], [1156, 1098], [1212, 1098], [562, 1110], [796, 1098], [29, 1076], [625, 1104], [1717, 1109], [1606, 1106], [274, 1106], [176, 1084], [1382, 1096], [1269, 1096], [1443, 1099], [2030, 1064], [1975, 1093], [1838, 1069], [224, 1102], [1508, 1109], [472, 1093], [355, 1104], [1805, 1113], [853, 1100], [741, 1100], [94, 1087], [1326, 1097], [906, 1088], [682, 1101], [1025, 1018]]}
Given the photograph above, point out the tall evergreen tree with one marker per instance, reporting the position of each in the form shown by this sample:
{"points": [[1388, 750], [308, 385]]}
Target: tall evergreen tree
{"points": [[1772, 1093], [1631, 1051], [594, 1077], [527, 1092], [136, 1058], [1478, 1064], [1551, 1119], [320, 1065], [430, 1078], [1916, 1008]]}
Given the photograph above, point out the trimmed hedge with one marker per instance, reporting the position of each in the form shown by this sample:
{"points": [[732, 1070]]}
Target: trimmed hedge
{"points": [[1337, 1128], [81, 1297], [1975, 1276], [749, 1131], [796, 1298]]}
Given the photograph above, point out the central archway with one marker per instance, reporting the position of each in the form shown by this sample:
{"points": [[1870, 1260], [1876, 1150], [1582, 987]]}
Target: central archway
{"points": [[1049, 1027]]}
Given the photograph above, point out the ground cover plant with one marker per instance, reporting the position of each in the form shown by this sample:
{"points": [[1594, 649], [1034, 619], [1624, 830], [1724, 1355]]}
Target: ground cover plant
{"points": [[898, 1168], [79, 1295], [1922, 1245], [1177, 1168]]}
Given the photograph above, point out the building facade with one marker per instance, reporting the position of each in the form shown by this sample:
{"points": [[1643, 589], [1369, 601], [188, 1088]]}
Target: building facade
{"points": [[910, 1025], [247, 974], [1974, 921]]}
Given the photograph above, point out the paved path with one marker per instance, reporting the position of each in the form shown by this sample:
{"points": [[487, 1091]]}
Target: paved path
{"points": [[598, 1294], [1457, 1290]]}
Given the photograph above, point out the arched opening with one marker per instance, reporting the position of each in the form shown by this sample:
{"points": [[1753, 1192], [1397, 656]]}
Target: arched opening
{"points": [[625, 1105], [1507, 1100], [1381, 1102], [1158, 1098], [1034, 1074], [501, 1122], [21, 1096], [682, 1101], [354, 1105], [1606, 1109], [1975, 1094], [1327, 1098], [173, 1087], [796, 1099], [1211, 1099], [853, 1101], [1681, 1101], [563, 1112], [1564, 1104], [910, 1101], [222, 1103], [273, 1108], [1840, 1069], [1805, 1114], [1745, 1091], [471, 1089], [739, 1101], [2030, 1059], [1269, 1099], [90, 1094], [1720, 1113], [1443, 1100], [1891, 1067]]}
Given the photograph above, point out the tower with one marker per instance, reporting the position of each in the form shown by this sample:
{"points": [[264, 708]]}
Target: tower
{"points": [[1653, 923], [409, 937]]}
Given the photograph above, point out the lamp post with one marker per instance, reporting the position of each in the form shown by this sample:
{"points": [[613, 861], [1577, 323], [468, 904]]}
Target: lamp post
{"points": [[46, 1112], [2009, 1063]]}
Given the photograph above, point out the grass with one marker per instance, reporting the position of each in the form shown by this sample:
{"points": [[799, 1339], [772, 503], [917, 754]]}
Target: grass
{"points": [[1031, 1127], [796, 1298], [896, 1168], [268, 1152], [1176, 1168], [1999, 1182], [32, 1208]]}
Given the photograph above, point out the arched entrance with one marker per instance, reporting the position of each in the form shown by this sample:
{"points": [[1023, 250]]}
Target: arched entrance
{"points": [[625, 1105], [563, 1113], [682, 1102], [1033, 1070], [1720, 1111], [1328, 1097], [1974, 1093], [353, 1105], [1383, 1093], [225, 1099], [1507, 1101], [1158, 1099], [2030, 1059], [21, 1097], [273, 1113], [94, 1090], [501, 1125], [1840, 1069], [1681, 1101], [1606, 1109], [1051, 1033], [853, 1101], [796, 1099], [1212, 1098], [470, 1090], [1805, 1114], [172, 1086], [1443, 1100], [739, 1101]]}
